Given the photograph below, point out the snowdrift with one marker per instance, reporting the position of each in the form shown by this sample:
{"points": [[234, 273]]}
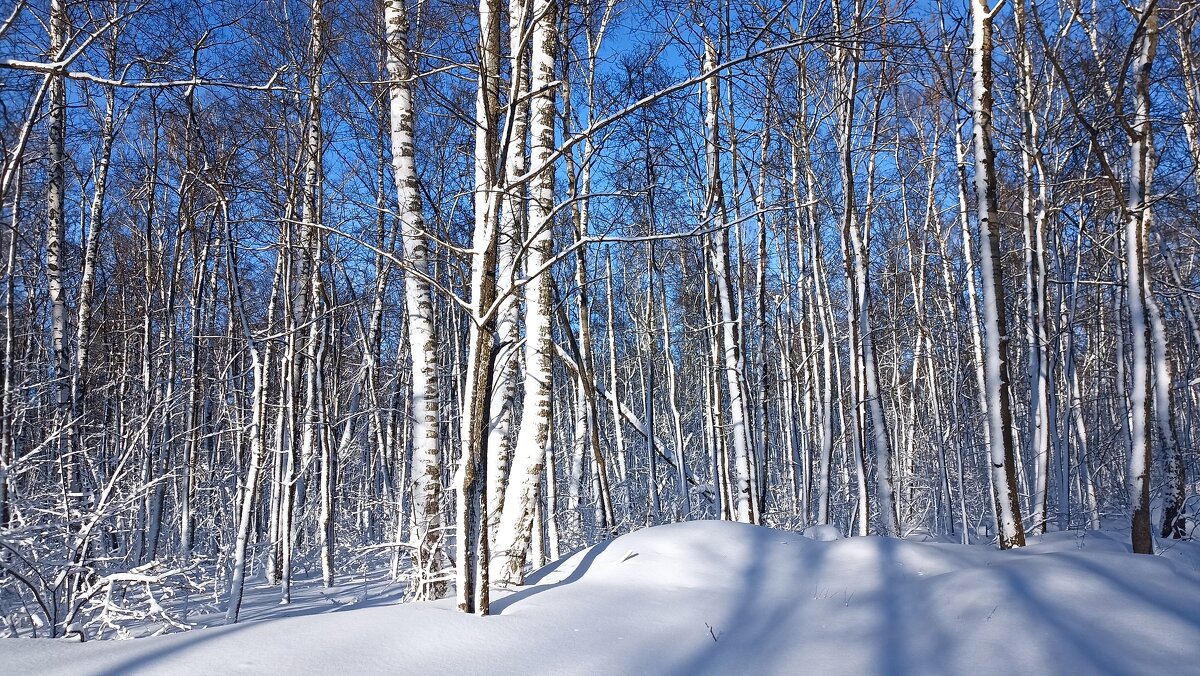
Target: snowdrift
{"points": [[718, 597]]}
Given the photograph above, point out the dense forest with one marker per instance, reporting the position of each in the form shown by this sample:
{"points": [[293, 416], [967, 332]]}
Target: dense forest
{"points": [[297, 287]]}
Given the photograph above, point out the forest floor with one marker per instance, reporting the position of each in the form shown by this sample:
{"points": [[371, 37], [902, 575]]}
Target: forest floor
{"points": [[718, 597]]}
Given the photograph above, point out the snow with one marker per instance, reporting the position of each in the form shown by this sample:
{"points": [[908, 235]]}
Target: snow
{"points": [[719, 597], [823, 532]]}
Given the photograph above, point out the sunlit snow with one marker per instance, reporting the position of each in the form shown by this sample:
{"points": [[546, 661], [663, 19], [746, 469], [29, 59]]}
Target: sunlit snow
{"points": [[718, 597]]}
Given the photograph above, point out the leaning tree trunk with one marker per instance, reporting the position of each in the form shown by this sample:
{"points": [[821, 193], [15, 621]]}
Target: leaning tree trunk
{"points": [[87, 282], [247, 494]]}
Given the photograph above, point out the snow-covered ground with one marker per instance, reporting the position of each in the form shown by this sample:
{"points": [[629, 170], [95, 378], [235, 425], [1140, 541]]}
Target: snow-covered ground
{"points": [[717, 597]]}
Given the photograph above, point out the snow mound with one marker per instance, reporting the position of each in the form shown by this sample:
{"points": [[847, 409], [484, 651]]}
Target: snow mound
{"points": [[716, 597], [823, 532]]}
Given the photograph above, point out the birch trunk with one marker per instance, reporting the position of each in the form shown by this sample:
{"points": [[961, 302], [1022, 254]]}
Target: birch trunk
{"points": [[246, 503], [87, 282], [614, 385], [1137, 281], [828, 349], [745, 498], [1033, 211], [646, 370], [471, 555], [429, 559], [312, 239], [516, 519], [996, 365], [676, 416], [1174, 522], [579, 193], [510, 240], [7, 438], [56, 179]]}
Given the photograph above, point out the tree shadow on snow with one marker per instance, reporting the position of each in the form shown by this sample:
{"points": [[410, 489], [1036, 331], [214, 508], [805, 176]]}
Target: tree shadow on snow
{"points": [[770, 630], [145, 655], [584, 563]]}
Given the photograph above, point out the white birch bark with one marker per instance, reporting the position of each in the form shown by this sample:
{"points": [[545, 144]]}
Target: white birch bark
{"points": [[880, 439], [87, 282], [56, 179], [429, 557], [996, 372], [246, 502], [312, 239], [516, 519], [579, 188], [828, 350], [1174, 524], [513, 226], [1033, 211], [1137, 279], [676, 415], [745, 498], [614, 384], [848, 66], [647, 350], [7, 438]]}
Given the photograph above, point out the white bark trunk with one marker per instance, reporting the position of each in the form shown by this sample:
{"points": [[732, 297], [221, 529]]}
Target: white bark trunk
{"points": [[745, 498], [429, 559], [1137, 282], [996, 373], [516, 519], [510, 240]]}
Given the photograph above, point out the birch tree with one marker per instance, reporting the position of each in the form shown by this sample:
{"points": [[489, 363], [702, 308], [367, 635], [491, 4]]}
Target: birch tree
{"points": [[745, 497], [428, 554], [997, 383], [471, 555], [516, 519], [1138, 218]]}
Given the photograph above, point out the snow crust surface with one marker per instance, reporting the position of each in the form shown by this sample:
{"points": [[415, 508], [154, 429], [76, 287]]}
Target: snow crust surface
{"points": [[718, 597]]}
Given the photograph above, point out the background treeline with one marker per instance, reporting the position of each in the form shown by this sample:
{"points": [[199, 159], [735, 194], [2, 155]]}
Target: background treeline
{"points": [[300, 286]]}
